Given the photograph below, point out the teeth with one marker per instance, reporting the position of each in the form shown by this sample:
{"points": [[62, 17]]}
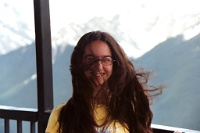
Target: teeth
{"points": [[97, 75]]}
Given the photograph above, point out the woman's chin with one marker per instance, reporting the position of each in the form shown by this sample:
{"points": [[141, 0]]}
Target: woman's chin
{"points": [[98, 82]]}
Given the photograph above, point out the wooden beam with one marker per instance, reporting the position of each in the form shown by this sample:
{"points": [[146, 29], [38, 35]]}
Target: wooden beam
{"points": [[44, 60]]}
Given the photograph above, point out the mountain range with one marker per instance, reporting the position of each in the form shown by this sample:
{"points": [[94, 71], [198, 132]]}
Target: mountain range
{"points": [[175, 63]]}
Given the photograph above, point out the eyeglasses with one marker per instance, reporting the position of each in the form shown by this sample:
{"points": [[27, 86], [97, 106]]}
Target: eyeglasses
{"points": [[105, 60]]}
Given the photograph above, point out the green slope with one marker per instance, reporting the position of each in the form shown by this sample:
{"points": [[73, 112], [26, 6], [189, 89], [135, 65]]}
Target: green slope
{"points": [[176, 63]]}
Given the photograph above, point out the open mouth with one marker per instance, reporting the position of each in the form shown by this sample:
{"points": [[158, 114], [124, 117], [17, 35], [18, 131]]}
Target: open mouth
{"points": [[98, 75]]}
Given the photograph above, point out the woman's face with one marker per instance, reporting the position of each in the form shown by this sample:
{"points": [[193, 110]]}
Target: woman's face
{"points": [[98, 59]]}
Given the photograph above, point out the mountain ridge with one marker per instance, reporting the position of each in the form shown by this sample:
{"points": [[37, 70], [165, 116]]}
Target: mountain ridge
{"points": [[174, 61], [176, 64]]}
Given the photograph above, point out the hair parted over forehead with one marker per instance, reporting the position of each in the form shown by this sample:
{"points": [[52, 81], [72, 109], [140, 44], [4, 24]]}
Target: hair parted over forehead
{"points": [[121, 66], [93, 36]]}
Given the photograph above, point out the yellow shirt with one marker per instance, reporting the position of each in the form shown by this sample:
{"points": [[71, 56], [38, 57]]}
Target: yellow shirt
{"points": [[100, 113]]}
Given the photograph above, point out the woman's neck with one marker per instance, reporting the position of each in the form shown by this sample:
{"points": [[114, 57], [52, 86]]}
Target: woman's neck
{"points": [[100, 95]]}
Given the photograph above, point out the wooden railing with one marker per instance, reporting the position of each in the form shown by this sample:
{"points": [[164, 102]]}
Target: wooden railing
{"points": [[30, 115], [8, 113], [168, 129]]}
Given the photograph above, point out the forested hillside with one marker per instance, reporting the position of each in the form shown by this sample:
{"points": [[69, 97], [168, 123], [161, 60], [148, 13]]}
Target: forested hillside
{"points": [[175, 63]]}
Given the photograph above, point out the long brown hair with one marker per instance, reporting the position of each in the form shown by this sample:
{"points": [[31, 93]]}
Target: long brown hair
{"points": [[129, 96]]}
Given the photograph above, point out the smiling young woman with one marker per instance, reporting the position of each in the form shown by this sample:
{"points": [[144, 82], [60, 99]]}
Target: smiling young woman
{"points": [[109, 95]]}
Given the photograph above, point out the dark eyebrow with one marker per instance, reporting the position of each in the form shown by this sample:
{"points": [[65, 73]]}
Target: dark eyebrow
{"points": [[108, 56], [89, 55]]}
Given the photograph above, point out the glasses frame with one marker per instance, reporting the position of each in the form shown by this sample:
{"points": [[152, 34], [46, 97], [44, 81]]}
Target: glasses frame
{"points": [[93, 60]]}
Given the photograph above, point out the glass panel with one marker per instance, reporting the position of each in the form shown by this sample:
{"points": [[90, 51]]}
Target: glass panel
{"points": [[162, 36], [1, 125], [17, 54]]}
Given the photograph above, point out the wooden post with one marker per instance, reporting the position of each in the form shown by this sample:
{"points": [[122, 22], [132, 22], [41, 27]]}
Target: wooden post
{"points": [[44, 61]]}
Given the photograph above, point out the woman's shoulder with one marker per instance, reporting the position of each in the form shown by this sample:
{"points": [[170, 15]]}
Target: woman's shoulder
{"points": [[53, 124], [57, 109]]}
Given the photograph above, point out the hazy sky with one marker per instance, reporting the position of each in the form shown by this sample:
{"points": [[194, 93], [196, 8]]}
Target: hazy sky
{"points": [[148, 22]]}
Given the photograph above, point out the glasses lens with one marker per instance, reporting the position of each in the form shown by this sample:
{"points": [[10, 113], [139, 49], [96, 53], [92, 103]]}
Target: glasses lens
{"points": [[89, 60], [106, 61]]}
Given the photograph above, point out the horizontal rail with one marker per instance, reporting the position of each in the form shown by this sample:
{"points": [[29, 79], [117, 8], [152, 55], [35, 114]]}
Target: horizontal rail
{"points": [[21, 114], [15, 113], [31, 114], [168, 129]]}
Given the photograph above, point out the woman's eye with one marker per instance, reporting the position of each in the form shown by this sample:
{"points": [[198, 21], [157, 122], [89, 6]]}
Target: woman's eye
{"points": [[89, 60], [107, 59]]}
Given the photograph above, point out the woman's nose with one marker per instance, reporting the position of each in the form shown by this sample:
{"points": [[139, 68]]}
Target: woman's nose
{"points": [[98, 65]]}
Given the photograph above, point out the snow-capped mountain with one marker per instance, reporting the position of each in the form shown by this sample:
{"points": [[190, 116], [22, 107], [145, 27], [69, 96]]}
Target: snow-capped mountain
{"points": [[15, 31], [138, 26]]}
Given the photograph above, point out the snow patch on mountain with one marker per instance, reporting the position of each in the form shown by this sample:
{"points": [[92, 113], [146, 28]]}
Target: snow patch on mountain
{"points": [[138, 26]]}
